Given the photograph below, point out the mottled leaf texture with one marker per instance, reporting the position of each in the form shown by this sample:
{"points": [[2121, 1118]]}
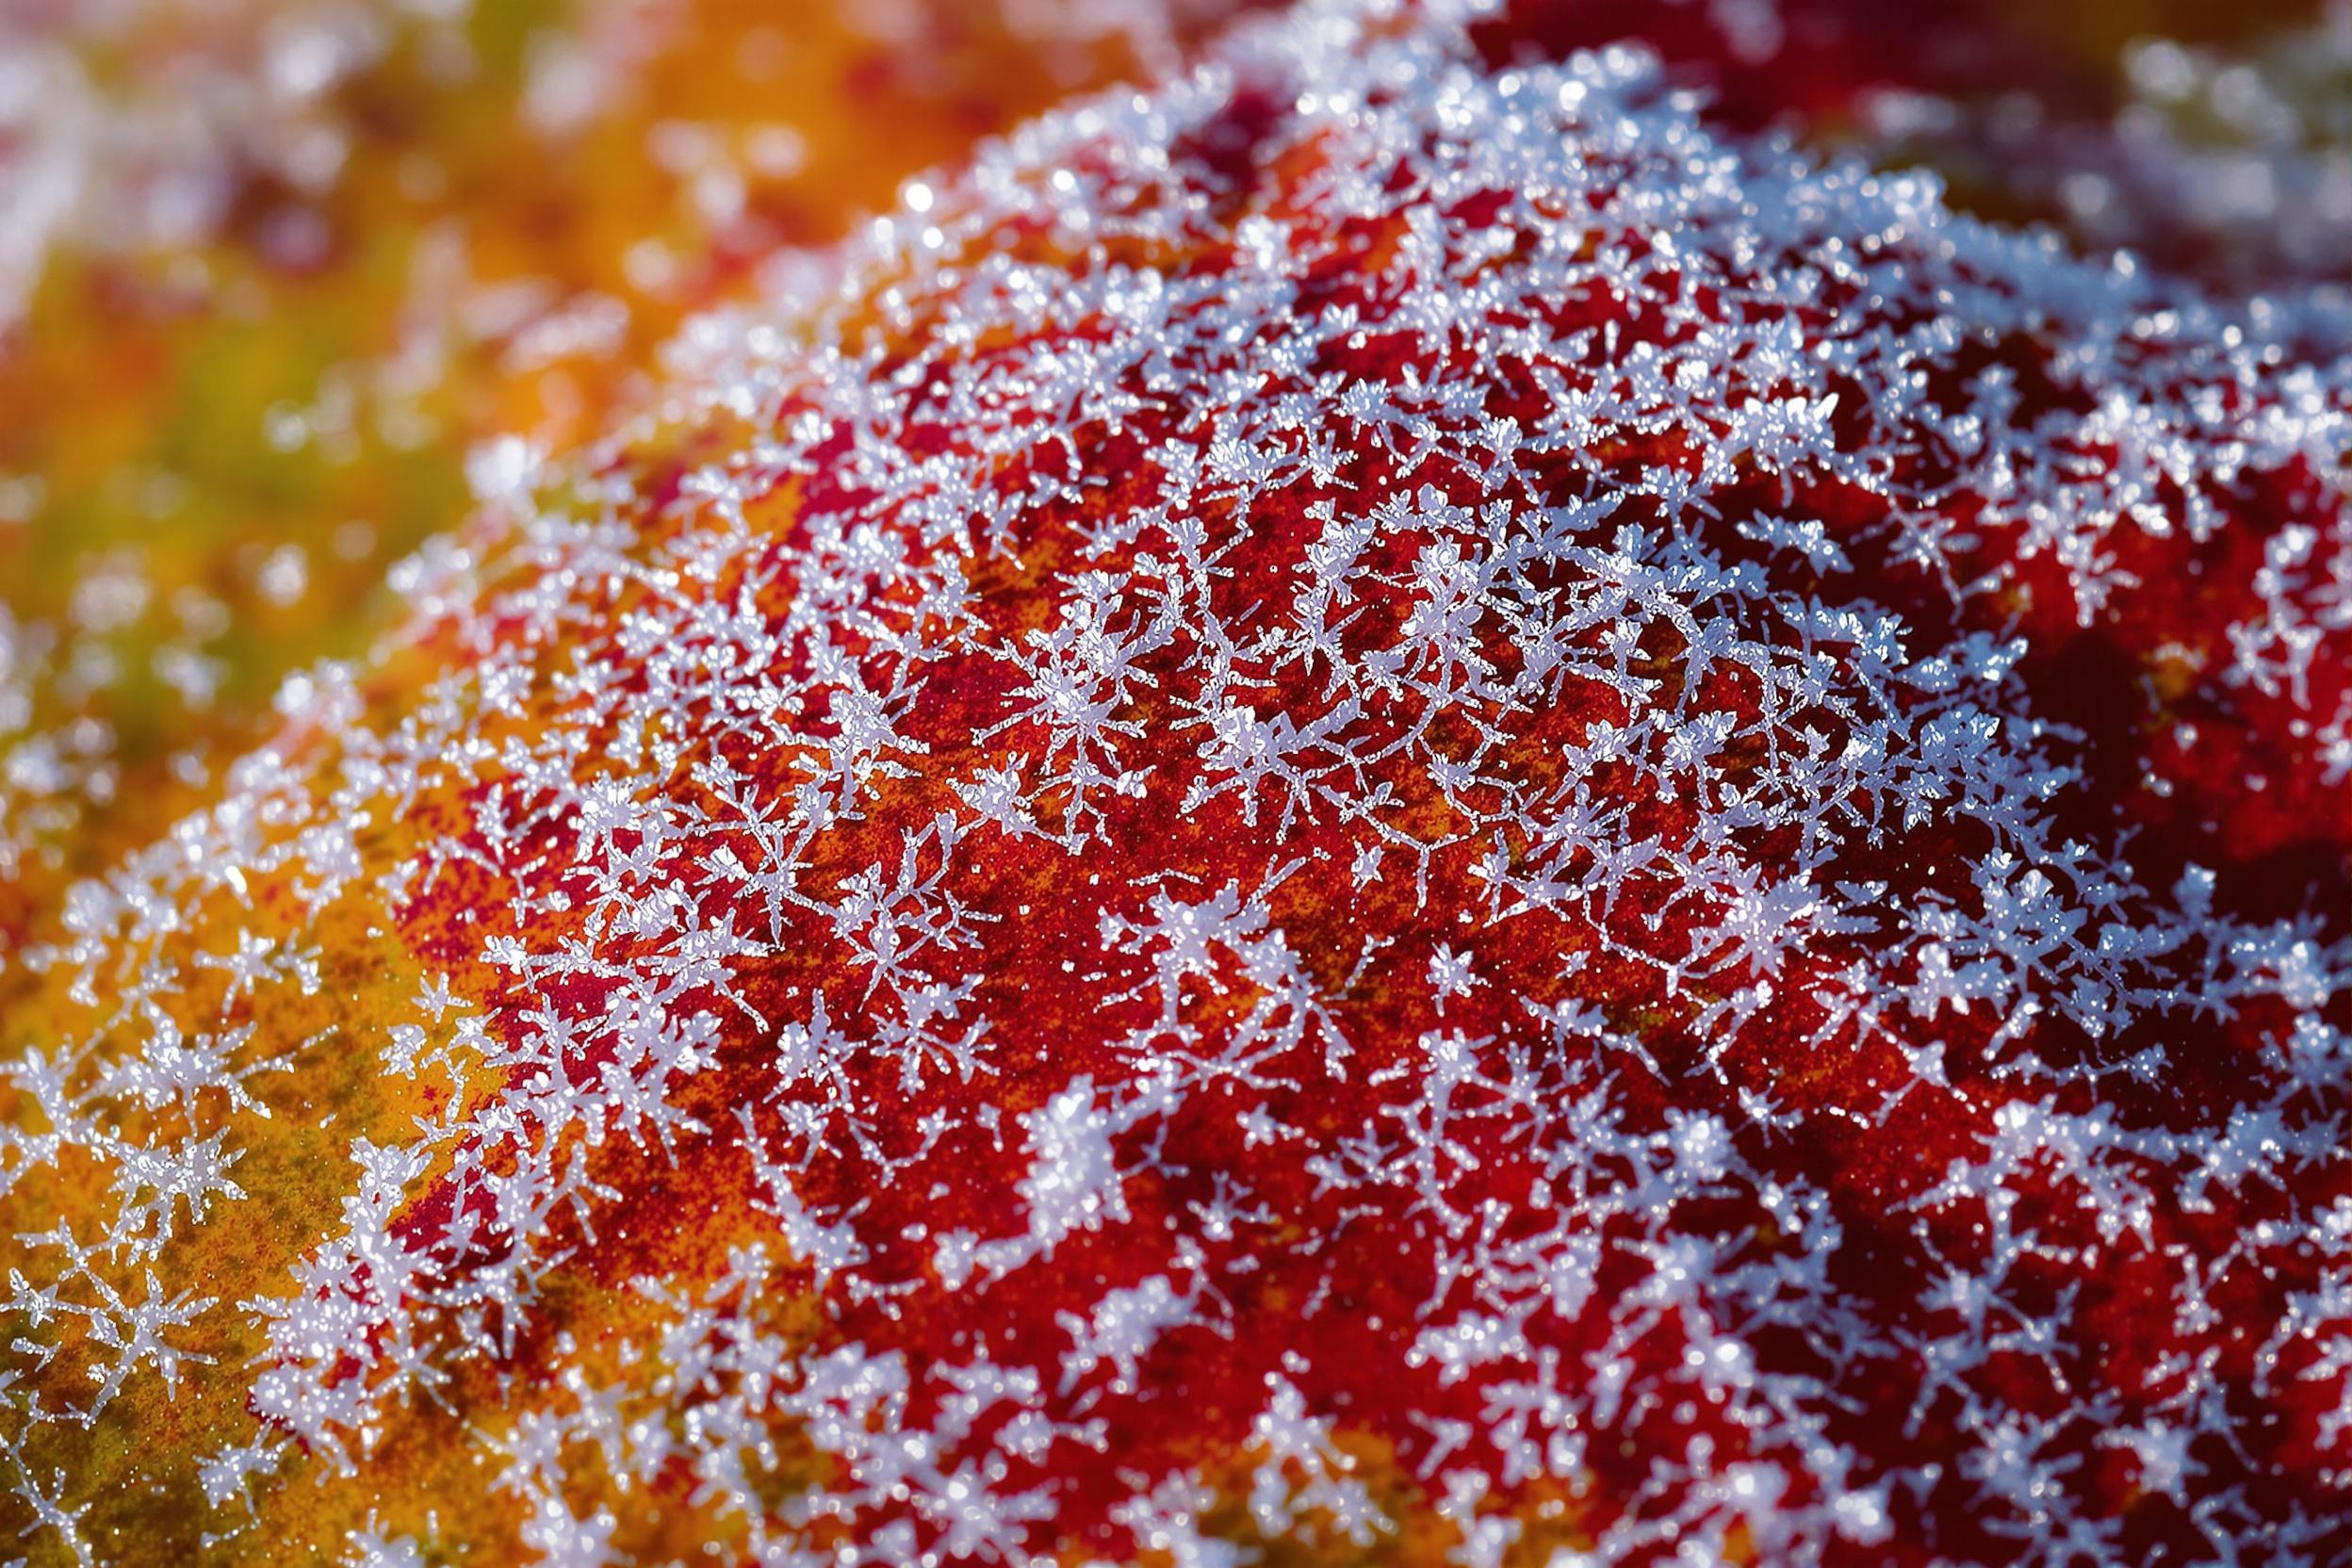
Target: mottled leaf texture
{"points": [[1386, 808]]}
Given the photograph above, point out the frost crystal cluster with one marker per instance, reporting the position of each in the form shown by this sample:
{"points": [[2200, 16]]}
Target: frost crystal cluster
{"points": [[1377, 804]]}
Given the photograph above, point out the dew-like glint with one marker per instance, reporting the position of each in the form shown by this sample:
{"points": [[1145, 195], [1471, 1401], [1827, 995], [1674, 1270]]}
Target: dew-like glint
{"points": [[1376, 810]]}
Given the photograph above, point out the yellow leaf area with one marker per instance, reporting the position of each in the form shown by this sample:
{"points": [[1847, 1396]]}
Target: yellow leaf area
{"points": [[286, 980], [210, 453]]}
